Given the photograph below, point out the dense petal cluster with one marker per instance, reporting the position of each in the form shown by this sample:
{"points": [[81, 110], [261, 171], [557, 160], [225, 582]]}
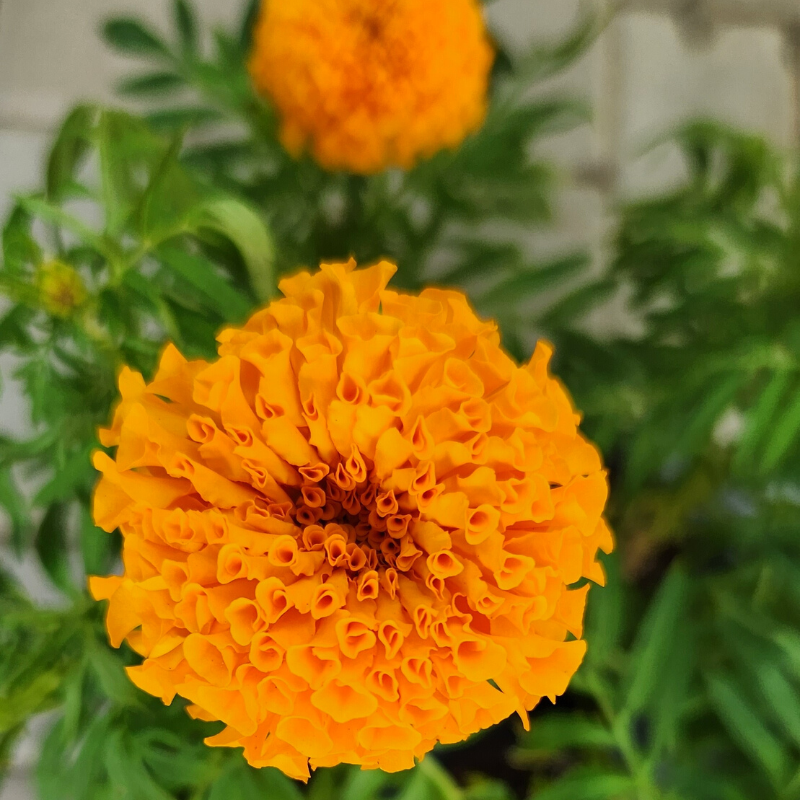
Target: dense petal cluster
{"points": [[352, 536], [366, 84]]}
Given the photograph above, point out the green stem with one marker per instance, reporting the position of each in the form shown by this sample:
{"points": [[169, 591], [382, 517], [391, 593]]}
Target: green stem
{"points": [[440, 778]]}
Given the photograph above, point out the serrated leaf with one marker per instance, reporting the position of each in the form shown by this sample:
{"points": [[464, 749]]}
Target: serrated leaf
{"points": [[129, 36], [747, 729]]}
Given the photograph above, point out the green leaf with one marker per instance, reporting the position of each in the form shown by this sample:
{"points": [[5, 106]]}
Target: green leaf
{"points": [[746, 728], [245, 783], [75, 472], [51, 545], [524, 285], [418, 787], [20, 249], [186, 24], [151, 84], [128, 774], [242, 225], [247, 25], [707, 412], [108, 668], [783, 436], [556, 732], [69, 150], [761, 418], [365, 784], [15, 328], [587, 786], [180, 119], [56, 216], [129, 36], [573, 308], [96, 545], [782, 697], [658, 634], [202, 274], [605, 615]]}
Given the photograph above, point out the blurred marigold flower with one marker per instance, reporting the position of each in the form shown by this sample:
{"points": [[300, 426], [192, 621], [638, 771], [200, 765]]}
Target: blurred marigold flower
{"points": [[352, 535], [367, 85], [61, 289]]}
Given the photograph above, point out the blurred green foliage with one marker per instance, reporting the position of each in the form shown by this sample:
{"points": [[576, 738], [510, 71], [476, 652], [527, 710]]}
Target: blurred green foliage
{"points": [[180, 219]]}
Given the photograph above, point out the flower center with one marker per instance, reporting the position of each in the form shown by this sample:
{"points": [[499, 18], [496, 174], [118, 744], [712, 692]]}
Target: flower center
{"points": [[363, 525]]}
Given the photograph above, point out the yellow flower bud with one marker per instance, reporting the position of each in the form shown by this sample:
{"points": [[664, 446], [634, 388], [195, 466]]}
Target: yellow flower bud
{"points": [[61, 289]]}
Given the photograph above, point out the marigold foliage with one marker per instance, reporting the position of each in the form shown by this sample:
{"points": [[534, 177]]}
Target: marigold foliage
{"points": [[352, 536], [365, 85]]}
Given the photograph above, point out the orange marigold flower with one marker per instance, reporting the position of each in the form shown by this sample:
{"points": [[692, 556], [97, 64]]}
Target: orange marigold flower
{"points": [[353, 535], [368, 84]]}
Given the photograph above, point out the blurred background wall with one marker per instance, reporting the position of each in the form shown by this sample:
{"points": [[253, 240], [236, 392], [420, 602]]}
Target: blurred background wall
{"points": [[660, 62]]}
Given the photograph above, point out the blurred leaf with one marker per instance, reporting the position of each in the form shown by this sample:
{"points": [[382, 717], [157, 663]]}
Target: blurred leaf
{"points": [[129, 776], [587, 786], [96, 545], [186, 24], [51, 546], [69, 149], [574, 306], [747, 729], [556, 732], [657, 635], [783, 435], [782, 697], [245, 783], [200, 273], [526, 284], [20, 249], [13, 502], [179, 119], [129, 36], [249, 17], [761, 418], [151, 84], [109, 671]]}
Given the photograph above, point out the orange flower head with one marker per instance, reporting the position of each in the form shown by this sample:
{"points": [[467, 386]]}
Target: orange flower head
{"points": [[369, 84], [354, 534]]}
